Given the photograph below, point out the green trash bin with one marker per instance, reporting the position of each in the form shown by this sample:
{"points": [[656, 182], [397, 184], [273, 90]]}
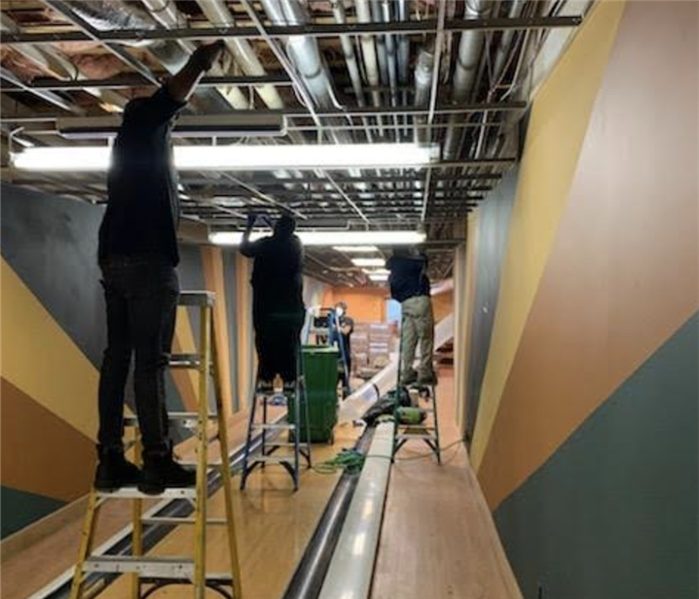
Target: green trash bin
{"points": [[320, 374]]}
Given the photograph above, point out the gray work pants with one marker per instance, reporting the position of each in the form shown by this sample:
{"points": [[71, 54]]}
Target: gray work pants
{"points": [[418, 326]]}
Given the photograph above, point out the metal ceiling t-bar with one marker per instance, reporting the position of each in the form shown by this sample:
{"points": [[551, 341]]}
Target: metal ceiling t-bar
{"points": [[95, 35], [282, 31]]}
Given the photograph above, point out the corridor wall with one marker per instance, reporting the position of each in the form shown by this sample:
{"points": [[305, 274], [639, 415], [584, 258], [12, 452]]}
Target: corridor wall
{"points": [[585, 441], [53, 335]]}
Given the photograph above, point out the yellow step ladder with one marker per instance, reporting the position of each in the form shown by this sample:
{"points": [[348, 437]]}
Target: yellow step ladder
{"points": [[152, 573]]}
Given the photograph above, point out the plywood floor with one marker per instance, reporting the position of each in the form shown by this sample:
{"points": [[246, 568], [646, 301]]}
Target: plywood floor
{"points": [[438, 540]]}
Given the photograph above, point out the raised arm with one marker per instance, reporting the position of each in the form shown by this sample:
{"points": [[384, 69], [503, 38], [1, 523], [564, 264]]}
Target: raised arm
{"points": [[181, 86], [247, 247]]}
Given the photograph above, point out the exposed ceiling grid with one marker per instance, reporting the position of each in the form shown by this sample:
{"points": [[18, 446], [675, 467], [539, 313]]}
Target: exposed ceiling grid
{"points": [[339, 71]]}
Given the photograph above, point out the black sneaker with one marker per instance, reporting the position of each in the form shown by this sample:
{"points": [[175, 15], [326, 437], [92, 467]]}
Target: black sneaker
{"points": [[165, 473], [115, 471]]}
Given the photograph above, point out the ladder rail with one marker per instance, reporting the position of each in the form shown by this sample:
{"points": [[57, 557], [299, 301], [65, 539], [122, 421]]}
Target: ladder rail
{"points": [[138, 566]]}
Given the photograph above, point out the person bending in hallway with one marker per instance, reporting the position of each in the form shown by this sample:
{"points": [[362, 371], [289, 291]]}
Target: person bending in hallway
{"points": [[411, 287], [138, 255], [277, 305]]}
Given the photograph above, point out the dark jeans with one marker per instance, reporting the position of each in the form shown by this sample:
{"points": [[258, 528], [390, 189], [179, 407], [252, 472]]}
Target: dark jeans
{"points": [[141, 293], [277, 337]]}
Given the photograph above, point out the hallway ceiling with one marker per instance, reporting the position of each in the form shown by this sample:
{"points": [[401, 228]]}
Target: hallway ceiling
{"points": [[345, 71]]}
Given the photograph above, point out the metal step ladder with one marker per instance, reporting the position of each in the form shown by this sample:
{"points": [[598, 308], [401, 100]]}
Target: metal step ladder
{"points": [[266, 441], [149, 573], [428, 430]]}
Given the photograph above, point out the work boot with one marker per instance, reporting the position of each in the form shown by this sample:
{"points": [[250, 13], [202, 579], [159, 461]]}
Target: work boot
{"points": [[162, 472], [409, 378], [115, 471], [427, 379]]}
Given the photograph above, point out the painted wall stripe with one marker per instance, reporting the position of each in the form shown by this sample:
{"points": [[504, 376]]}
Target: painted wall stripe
{"points": [[557, 127], [41, 360]]}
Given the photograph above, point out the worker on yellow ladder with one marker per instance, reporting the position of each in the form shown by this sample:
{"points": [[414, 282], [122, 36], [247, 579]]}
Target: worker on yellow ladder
{"points": [[138, 256]]}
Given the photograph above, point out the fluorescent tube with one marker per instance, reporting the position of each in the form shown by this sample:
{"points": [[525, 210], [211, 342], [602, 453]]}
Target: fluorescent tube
{"points": [[378, 277], [240, 157], [330, 238], [369, 262], [357, 249]]}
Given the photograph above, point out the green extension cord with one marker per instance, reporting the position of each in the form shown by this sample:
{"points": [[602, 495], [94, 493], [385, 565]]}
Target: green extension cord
{"points": [[349, 460]]}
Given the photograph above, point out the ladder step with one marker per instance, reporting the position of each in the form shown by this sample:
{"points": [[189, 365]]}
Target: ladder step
{"points": [[156, 567], [220, 578], [184, 361], [275, 427], [274, 459], [173, 416], [182, 521], [196, 298], [284, 444], [416, 436], [134, 493]]}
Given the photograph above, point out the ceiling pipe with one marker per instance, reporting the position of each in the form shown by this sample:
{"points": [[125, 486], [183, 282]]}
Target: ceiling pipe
{"points": [[165, 12], [218, 13], [391, 57], [338, 8], [467, 59], [423, 87], [371, 67]]}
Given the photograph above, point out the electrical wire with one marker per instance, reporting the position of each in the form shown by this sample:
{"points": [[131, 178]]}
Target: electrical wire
{"points": [[349, 460]]}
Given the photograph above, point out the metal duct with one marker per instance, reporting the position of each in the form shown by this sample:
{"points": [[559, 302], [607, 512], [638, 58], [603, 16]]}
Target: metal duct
{"points": [[467, 60], [110, 14]]}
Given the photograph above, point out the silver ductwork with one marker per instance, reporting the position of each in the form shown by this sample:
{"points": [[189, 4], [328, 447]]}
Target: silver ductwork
{"points": [[218, 13], [371, 67], [467, 60]]}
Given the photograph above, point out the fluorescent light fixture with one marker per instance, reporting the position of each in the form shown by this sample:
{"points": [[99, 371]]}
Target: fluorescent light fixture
{"points": [[377, 271], [330, 238], [368, 262], [357, 249], [240, 157], [221, 125], [378, 277]]}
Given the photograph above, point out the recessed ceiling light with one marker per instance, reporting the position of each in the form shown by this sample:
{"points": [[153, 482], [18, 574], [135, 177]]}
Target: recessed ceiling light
{"points": [[330, 238], [358, 249]]}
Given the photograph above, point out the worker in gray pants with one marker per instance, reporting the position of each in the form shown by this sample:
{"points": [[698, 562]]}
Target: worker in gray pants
{"points": [[411, 287]]}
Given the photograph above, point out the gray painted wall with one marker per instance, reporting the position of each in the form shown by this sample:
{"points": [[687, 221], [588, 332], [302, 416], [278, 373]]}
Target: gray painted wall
{"points": [[493, 228]]}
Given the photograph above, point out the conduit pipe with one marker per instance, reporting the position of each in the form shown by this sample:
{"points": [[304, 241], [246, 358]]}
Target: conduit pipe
{"points": [[352, 565], [467, 60]]}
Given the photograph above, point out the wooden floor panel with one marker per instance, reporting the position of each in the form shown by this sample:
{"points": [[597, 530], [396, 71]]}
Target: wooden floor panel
{"points": [[438, 540]]}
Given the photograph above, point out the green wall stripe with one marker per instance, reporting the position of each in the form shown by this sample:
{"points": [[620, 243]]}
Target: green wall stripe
{"points": [[613, 513], [21, 508]]}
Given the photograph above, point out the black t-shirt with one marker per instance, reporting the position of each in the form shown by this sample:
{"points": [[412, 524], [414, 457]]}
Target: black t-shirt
{"points": [[408, 278], [277, 275], [143, 208]]}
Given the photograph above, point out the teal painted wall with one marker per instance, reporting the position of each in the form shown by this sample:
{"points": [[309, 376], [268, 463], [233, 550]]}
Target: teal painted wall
{"points": [[613, 514], [20, 508]]}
